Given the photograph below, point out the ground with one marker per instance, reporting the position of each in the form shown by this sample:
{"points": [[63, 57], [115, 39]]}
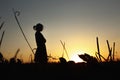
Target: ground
{"points": [[55, 71]]}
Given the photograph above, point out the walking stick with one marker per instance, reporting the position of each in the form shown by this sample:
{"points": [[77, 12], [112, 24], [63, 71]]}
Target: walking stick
{"points": [[17, 13]]}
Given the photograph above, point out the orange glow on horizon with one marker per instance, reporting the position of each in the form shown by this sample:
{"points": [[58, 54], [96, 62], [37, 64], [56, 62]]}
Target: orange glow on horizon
{"points": [[74, 57]]}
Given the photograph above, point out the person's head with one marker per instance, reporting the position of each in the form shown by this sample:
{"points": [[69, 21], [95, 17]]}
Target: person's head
{"points": [[38, 27]]}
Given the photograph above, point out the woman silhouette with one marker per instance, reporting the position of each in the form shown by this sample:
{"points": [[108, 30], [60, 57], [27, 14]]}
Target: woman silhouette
{"points": [[41, 53]]}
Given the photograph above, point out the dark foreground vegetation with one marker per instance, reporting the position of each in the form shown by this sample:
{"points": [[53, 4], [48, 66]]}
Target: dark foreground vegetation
{"points": [[55, 71]]}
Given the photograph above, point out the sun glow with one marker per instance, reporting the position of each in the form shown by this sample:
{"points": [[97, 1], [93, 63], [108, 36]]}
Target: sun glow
{"points": [[76, 58]]}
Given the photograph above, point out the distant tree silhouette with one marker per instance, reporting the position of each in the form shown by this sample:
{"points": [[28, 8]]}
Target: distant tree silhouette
{"points": [[89, 59], [1, 58], [62, 60], [14, 59], [41, 53]]}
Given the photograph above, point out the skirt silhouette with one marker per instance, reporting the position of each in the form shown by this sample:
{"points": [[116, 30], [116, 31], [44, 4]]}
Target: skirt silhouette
{"points": [[41, 55]]}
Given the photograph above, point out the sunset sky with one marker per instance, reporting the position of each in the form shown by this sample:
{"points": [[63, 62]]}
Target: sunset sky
{"points": [[75, 22]]}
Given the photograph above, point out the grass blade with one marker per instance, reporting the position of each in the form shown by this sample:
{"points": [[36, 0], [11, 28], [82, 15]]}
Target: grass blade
{"points": [[1, 25], [2, 38]]}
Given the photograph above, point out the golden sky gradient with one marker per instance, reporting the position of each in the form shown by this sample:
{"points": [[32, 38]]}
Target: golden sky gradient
{"points": [[75, 22]]}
